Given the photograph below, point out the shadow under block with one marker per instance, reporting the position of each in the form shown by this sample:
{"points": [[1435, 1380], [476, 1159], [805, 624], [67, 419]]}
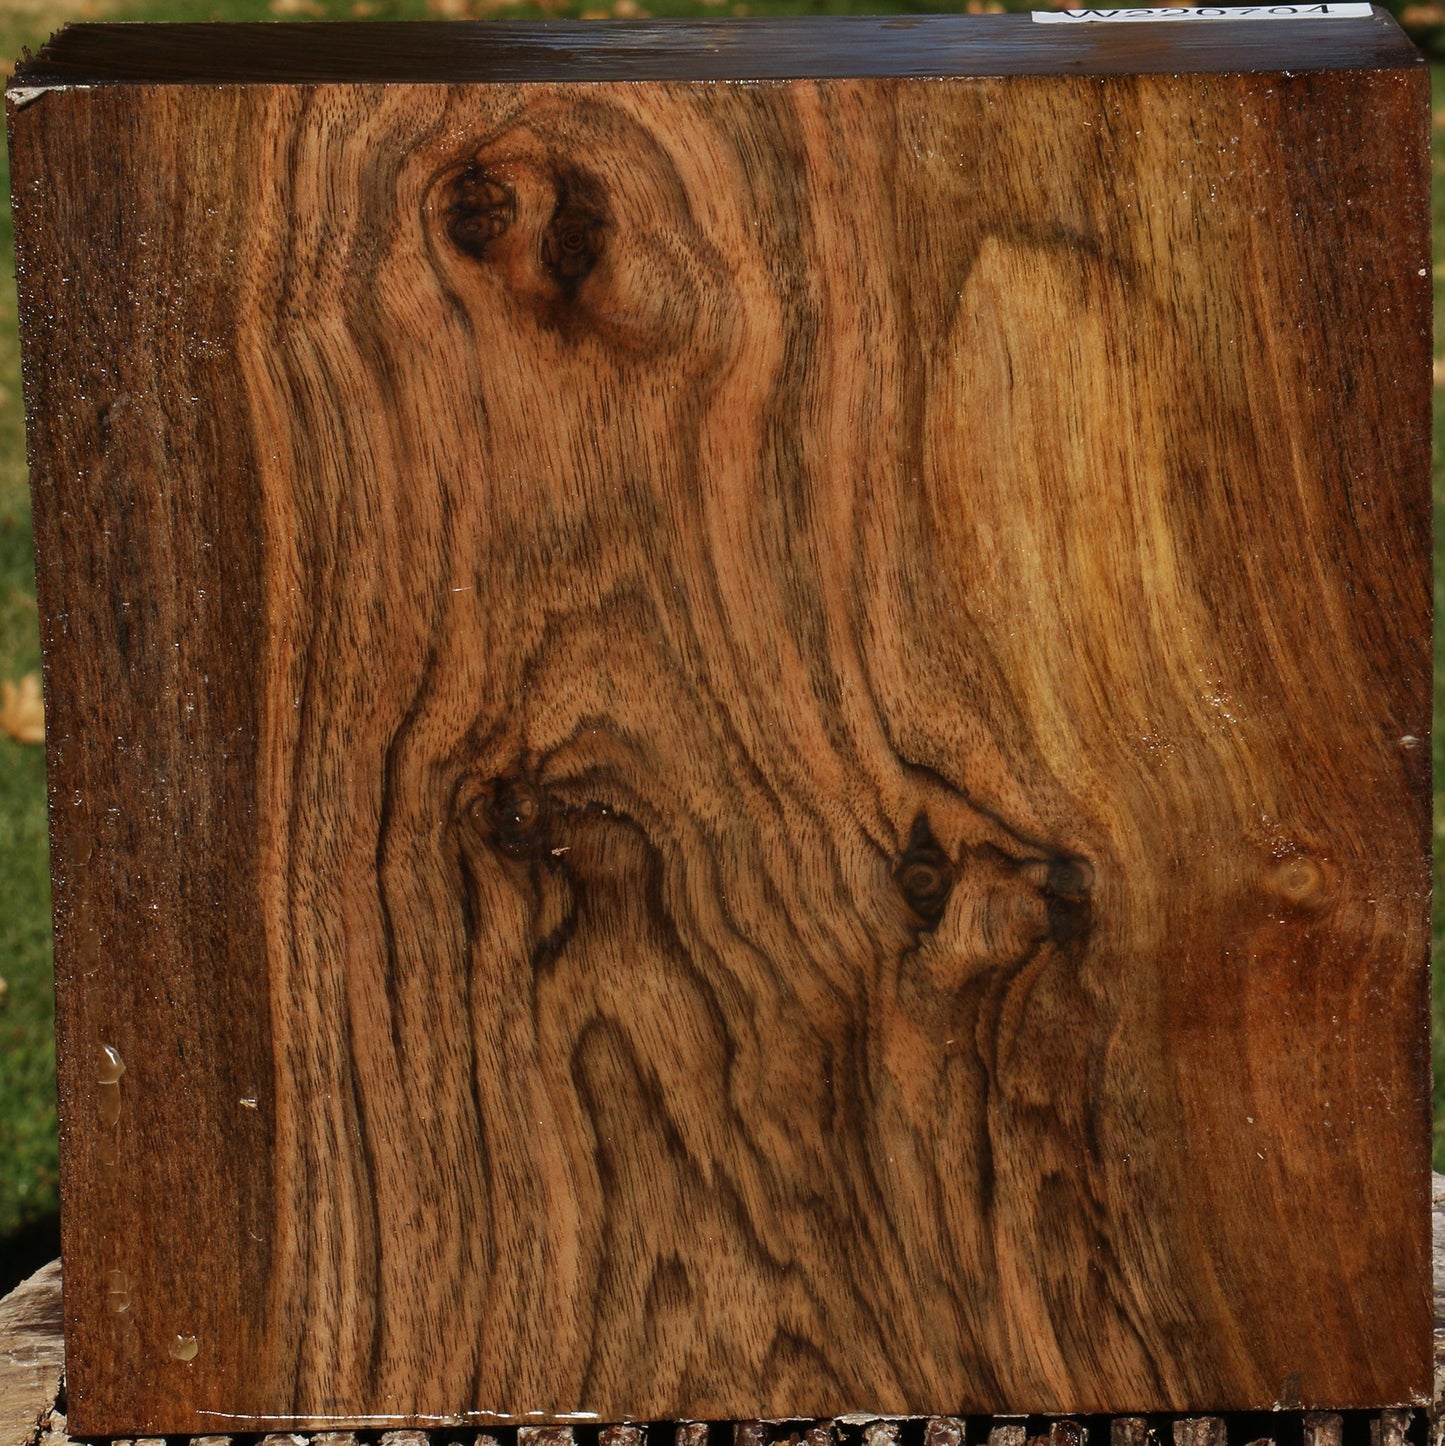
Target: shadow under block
{"points": [[734, 749]]}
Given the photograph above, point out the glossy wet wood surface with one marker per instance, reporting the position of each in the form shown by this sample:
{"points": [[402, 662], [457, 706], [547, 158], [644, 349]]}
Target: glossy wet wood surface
{"points": [[736, 751]]}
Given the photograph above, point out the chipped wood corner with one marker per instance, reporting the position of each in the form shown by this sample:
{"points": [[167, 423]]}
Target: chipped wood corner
{"points": [[17, 97]]}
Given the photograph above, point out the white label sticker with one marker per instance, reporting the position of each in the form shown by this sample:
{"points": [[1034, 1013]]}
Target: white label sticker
{"points": [[1333, 10]]}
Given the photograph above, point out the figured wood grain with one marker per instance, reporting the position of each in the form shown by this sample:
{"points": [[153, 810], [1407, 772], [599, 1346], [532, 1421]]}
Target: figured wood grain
{"points": [[735, 751], [39, 1299]]}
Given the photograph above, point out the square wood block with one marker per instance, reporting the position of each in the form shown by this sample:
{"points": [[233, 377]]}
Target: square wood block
{"points": [[738, 715]]}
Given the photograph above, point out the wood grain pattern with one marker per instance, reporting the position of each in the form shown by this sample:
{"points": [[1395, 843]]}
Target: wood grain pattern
{"points": [[734, 751], [42, 1296]]}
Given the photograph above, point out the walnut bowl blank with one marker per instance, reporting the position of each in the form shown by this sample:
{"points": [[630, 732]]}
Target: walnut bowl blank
{"points": [[738, 715]]}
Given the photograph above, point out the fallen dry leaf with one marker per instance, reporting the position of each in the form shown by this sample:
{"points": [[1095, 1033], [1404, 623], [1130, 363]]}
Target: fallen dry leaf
{"points": [[22, 714]]}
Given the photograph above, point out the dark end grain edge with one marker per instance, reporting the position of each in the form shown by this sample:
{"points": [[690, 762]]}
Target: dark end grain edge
{"points": [[772, 48]]}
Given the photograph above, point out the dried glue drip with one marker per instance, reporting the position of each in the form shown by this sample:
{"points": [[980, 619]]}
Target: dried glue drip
{"points": [[184, 1348], [112, 1066], [118, 1291]]}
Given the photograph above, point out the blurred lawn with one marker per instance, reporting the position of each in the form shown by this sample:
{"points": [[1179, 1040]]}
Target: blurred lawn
{"points": [[28, 1166]]}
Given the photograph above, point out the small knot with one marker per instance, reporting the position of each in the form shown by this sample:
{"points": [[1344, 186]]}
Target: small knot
{"points": [[1299, 880], [572, 243], [513, 810], [481, 210], [1067, 886], [924, 874], [1070, 878]]}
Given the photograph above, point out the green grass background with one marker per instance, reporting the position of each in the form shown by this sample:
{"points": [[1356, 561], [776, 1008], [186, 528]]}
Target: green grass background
{"points": [[28, 1158]]}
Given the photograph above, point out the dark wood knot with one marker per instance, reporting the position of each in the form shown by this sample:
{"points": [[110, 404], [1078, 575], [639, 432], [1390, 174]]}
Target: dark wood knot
{"points": [[481, 209], [924, 874], [1067, 890], [512, 811], [572, 243]]}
